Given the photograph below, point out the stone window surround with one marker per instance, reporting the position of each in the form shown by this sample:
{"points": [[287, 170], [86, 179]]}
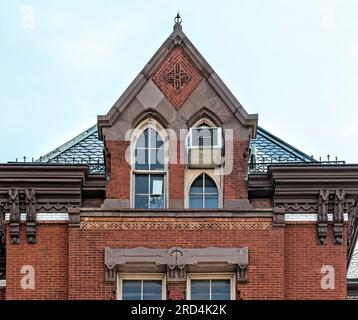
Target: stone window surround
{"points": [[191, 174], [141, 127], [141, 276], [211, 276]]}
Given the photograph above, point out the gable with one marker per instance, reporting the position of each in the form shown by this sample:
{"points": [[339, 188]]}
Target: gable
{"points": [[178, 71]]}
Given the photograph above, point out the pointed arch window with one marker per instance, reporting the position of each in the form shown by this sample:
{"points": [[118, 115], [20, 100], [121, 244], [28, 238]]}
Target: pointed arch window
{"points": [[203, 193], [149, 171]]}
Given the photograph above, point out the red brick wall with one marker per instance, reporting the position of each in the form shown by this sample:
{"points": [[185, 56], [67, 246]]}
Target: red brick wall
{"points": [[118, 186], [304, 259], [235, 185], [87, 270], [49, 257], [176, 176], [176, 290], [261, 203]]}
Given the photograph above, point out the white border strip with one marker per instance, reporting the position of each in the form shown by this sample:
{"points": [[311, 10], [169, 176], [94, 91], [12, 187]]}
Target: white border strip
{"points": [[309, 217], [2, 283], [55, 216]]}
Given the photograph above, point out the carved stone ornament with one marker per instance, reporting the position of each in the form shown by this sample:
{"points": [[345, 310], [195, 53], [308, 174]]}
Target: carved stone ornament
{"points": [[30, 216], [74, 217], [14, 206], [339, 205], [176, 260], [278, 217], [322, 216]]}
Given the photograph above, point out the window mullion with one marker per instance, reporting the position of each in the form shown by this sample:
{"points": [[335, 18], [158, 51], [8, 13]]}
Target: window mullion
{"points": [[141, 289], [209, 289]]}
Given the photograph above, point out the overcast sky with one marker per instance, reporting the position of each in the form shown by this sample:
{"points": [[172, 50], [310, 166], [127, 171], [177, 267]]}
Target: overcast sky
{"points": [[295, 63]]}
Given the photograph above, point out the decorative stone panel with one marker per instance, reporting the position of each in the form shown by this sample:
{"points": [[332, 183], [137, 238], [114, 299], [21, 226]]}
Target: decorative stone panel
{"points": [[177, 77]]}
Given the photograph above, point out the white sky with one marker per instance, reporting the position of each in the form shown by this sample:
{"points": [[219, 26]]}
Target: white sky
{"points": [[295, 63]]}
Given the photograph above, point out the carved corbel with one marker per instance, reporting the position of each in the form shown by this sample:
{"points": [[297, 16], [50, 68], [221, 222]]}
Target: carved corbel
{"points": [[322, 216], [111, 273], [14, 216], [278, 219], [242, 273], [338, 218], [176, 267], [30, 216], [74, 217]]}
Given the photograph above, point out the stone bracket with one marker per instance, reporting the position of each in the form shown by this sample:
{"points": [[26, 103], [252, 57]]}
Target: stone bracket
{"points": [[30, 216], [14, 204]]}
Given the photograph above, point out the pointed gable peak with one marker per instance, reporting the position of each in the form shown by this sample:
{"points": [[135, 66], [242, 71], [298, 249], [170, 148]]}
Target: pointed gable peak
{"points": [[178, 65]]}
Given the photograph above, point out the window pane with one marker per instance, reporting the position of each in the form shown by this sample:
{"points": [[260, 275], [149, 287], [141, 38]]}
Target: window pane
{"points": [[210, 186], [200, 289], [157, 202], [141, 201], [131, 290], [220, 289], [152, 290], [211, 201], [142, 141], [197, 186], [142, 183], [141, 159], [156, 184], [156, 159], [195, 201]]}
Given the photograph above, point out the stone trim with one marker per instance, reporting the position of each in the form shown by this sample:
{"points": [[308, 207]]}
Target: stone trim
{"points": [[309, 217], [2, 283], [42, 217], [177, 259]]}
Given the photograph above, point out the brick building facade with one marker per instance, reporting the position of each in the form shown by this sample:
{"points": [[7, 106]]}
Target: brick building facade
{"points": [[190, 199]]}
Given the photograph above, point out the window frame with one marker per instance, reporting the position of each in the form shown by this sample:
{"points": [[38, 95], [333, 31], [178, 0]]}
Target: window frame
{"points": [[138, 131], [142, 277], [218, 188], [212, 276]]}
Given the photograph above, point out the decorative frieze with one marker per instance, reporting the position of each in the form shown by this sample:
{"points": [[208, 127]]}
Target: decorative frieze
{"points": [[177, 224], [177, 260]]}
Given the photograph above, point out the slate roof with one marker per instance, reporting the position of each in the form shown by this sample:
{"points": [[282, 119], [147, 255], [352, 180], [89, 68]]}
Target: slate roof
{"points": [[86, 148]]}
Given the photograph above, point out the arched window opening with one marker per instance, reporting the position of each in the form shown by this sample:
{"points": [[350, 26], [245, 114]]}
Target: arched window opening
{"points": [[149, 171], [203, 193]]}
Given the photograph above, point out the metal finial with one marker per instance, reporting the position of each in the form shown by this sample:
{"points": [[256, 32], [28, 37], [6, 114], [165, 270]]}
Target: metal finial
{"points": [[178, 19]]}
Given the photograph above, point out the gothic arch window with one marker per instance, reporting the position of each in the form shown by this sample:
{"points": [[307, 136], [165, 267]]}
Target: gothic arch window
{"points": [[149, 167], [203, 193]]}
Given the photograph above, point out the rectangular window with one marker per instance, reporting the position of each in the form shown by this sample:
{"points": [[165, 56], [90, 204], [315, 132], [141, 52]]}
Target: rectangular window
{"points": [[149, 191], [211, 287], [141, 287]]}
